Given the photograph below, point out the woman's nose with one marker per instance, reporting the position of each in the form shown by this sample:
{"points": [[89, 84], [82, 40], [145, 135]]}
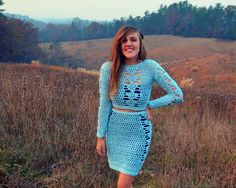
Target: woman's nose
{"points": [[128, 42]]}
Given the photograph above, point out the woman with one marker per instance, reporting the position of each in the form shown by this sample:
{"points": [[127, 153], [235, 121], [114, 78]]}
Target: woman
{"points": [[124, 115]]}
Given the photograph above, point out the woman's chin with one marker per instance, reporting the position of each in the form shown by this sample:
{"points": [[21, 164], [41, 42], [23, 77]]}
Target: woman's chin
{"points": [[131, 57]]}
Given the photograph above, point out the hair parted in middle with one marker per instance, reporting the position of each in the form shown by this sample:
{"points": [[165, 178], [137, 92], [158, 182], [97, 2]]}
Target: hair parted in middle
{"points": [[117, 58]]}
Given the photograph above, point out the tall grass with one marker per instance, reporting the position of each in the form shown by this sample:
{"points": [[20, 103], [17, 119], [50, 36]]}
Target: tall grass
{"points": [[48, 120]]}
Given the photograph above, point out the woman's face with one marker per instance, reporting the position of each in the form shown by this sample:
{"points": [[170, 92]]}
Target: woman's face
{"points": [[130, 46]]}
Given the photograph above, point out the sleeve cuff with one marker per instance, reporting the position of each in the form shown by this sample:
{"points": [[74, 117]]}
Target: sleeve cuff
{"points": [[149, 106]]}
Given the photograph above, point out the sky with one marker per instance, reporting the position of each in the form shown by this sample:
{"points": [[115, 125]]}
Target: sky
{"points": [[94, 9]]}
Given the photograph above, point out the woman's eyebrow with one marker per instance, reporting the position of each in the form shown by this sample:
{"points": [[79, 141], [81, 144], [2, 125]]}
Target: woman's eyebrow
{"points": [[133, 37]]}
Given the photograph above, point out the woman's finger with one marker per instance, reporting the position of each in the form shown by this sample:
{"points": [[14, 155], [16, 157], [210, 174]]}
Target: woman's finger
{"points": [[149, 115], [150, 118], [101, 151]]}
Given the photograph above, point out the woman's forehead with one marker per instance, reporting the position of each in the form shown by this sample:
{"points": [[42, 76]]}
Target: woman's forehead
{"points": [[132, 34]]}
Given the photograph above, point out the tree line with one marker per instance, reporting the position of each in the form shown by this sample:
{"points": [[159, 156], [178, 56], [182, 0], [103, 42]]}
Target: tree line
{"points": [[181, 19], [19, 39]]}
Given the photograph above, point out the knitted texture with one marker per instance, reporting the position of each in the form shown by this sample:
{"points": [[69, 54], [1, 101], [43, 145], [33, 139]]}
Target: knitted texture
{"points": [[128, 140], [134, 90]]}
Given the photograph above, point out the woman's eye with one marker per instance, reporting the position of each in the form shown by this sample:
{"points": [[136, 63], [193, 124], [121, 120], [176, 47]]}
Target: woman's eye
{"points": [[124, 40], [133, 39], [130, 39]]}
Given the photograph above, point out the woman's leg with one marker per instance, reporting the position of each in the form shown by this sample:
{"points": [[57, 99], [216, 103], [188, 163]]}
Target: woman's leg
{"points": [[124, 181]]}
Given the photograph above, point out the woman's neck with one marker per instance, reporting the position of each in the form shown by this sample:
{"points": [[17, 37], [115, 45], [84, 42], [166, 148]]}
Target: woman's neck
{"points": [[131, 61]]}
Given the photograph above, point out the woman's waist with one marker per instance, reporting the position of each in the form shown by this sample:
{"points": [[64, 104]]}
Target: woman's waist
{"points": [[132, 104], [127, 110]]}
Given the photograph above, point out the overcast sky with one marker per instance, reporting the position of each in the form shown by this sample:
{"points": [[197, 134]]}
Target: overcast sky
{"points": [[94, 9]]}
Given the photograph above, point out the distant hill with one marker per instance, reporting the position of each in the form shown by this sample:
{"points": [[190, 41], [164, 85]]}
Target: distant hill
{"points": [[38, 24], [41, 23], [209, 64], [57, 20]]}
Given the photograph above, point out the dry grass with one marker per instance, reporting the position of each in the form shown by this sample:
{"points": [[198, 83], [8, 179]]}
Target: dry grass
{"points": [[186, 82], [48, 119]]}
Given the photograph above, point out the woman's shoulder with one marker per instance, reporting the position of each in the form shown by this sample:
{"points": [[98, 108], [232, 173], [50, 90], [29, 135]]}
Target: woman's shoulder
{"points": [[151, 63], [106, 65]]}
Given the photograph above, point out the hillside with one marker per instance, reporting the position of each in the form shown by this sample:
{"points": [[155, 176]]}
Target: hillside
{"points": [[209, 63], [37, 23]]}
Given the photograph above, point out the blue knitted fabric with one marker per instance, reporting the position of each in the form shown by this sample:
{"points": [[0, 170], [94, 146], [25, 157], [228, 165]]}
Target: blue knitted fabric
{"points": [[128, 140], [135, 90], [128, 134]]}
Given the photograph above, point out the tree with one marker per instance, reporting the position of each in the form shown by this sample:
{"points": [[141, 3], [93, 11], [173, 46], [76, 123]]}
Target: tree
{"points": [[1, 10], [18, 40], [54, 33], [180, 18], [230, 22], [173, 18], [184, 27], [215, 20], [77, 29], [199, 23]]}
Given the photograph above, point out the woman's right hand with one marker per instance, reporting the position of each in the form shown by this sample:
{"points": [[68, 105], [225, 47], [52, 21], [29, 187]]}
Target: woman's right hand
{"points": [[149, 113], [101, 148]]}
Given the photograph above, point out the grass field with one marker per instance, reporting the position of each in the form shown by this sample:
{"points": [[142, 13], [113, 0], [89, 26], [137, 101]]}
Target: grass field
{"points": [[48, 119]]}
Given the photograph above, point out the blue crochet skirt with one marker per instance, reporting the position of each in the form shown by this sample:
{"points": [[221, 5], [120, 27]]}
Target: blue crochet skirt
{"points": [[128, 140]]}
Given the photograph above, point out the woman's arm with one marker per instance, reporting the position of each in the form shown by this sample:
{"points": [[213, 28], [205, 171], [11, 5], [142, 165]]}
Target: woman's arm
{"points": [[174, 93], [105, 104]]}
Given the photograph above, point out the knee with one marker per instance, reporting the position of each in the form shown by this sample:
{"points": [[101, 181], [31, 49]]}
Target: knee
{"points": [[123, 184], [125, 181]]}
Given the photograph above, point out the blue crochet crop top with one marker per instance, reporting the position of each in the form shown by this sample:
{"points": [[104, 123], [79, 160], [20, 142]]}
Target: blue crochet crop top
{"points": [[134, 90]]}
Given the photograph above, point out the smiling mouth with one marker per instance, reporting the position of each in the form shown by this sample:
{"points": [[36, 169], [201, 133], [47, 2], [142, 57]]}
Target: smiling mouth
{"points": [[129, 50]]}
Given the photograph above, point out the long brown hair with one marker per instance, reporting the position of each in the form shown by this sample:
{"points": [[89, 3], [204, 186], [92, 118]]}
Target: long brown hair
{"points": [[117, 58]]}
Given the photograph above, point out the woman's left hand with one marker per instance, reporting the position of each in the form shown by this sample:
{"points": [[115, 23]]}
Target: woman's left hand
{"points": [[149, 113]]}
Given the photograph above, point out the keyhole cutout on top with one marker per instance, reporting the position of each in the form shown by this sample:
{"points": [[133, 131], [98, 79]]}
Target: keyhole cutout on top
{"points": [[127, 74], [138, 82], [127, 82], [136, 74]]}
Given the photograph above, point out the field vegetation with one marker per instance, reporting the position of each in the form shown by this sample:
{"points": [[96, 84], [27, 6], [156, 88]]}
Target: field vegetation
{"points": [[48, 120]]}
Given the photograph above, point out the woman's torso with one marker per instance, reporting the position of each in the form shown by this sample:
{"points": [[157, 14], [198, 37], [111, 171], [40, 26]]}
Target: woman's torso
{"points": [[135, 87]]}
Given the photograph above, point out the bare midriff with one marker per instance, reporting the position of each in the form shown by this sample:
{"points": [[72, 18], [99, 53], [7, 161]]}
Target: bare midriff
{"points": [[126, 110]]}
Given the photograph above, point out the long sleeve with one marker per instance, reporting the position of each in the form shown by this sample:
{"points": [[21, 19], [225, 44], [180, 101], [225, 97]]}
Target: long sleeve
{"points": [[105, 104], [174, 93]]}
